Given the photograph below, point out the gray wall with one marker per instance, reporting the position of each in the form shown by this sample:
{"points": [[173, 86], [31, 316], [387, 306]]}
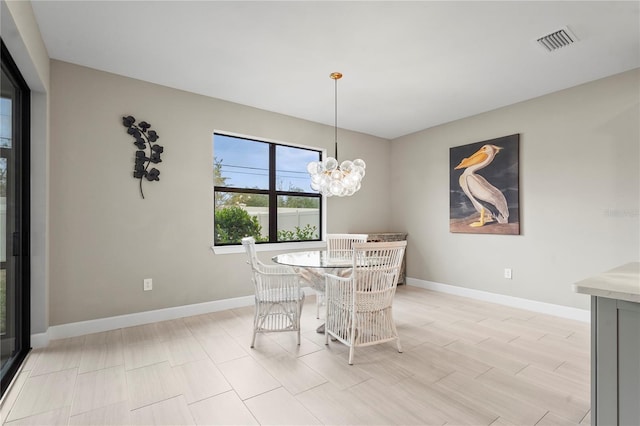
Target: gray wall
{"points": [[579, 194], [105, 239]]}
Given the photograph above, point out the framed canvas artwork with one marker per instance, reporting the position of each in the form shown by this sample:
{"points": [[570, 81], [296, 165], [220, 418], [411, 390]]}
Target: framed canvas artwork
{"points": [[484, 194]]}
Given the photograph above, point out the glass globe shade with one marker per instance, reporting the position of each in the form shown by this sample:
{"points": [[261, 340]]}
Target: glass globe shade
{"points": [[350, 180], [314, 168], [330, 164], [336, 175], [336, 187], [346, 166]]}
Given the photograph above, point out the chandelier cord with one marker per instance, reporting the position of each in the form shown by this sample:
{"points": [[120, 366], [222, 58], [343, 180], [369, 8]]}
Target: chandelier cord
{"points": [[336, 117]]}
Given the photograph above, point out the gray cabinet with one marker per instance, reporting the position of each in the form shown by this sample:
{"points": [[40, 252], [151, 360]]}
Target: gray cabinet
{"points": [[392, 236], [615, 345], [615, 358]]}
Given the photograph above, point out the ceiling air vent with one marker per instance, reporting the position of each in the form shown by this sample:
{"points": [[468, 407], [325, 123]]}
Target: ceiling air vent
{"points": [[561, 38]]}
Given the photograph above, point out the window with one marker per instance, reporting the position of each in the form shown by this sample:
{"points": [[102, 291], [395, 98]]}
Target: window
{"points": [[262, 189]]}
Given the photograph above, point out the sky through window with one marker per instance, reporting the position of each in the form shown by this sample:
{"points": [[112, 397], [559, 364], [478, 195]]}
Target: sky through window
{"points": [[245, 164]]}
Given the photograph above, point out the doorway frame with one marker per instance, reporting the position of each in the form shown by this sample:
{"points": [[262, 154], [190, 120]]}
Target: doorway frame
{"points": [[23, 219]]}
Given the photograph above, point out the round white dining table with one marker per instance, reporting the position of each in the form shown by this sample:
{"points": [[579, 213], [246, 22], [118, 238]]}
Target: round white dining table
{"points": [[314, 265], [319, 259]]}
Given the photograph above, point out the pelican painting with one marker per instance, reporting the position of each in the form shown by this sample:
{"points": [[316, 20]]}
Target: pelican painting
{"points": [[486, 198], [485, 171]]}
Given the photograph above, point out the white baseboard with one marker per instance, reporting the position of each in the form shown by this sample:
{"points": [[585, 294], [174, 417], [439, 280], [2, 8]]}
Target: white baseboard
{"points": [[516, 302], [40, 340], [64, 331]]}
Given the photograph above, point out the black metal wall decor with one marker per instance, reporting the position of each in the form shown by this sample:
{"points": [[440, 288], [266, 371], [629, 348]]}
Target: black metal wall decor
{"points": [[144, 136]]}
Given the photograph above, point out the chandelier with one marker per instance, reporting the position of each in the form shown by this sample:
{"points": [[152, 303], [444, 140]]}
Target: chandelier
{"points": [[330, 177]]}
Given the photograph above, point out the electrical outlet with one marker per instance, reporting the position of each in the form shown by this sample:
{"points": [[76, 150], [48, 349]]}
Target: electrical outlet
{"points": [[507, 273], [148, 284]]}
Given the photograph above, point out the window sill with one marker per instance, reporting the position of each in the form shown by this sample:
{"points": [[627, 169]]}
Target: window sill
{"points": [[307, 245]]}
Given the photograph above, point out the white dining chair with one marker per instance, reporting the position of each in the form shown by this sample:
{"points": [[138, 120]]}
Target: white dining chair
{"points": [[338, 244], [278, 296], [359, 307]]}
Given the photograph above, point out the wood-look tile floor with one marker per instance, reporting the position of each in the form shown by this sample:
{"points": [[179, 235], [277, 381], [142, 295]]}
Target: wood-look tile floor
{"points": [[464, 362]]}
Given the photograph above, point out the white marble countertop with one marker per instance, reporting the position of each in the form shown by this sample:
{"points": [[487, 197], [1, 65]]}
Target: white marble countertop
{"points": [[621, 283]]}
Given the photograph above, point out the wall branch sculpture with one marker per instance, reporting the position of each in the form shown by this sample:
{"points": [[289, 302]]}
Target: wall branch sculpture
{"points": [[143, 137]]}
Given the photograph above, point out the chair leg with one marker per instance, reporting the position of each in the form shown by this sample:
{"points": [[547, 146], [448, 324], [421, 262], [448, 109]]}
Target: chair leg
{"points": [[395, 331], [299, 306], [255, 323], [253, 339], [297, 322], [352, 338]]}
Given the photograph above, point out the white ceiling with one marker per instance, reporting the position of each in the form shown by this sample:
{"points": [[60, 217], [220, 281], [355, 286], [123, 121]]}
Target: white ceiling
{"points": [[407, 65]]}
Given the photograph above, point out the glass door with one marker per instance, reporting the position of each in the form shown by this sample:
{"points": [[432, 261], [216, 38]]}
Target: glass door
{"points": [[14, 219]]}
